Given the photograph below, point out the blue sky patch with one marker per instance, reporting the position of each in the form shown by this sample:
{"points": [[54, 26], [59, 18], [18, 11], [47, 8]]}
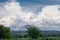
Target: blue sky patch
{"points": [[3, 0], [31, 4], [42, 2]]}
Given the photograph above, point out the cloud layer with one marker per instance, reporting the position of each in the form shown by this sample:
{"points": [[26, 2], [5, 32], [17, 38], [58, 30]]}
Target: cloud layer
{"points": [[13, 16]]}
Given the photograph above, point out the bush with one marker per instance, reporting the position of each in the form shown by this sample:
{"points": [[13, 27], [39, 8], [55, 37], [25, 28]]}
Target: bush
{"points": [[46, 38], [5, 33], [25, 36]]}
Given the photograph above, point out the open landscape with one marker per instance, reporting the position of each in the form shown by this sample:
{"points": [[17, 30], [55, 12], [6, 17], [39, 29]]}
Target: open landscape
{"points": [[48, 38], [29, 19]]}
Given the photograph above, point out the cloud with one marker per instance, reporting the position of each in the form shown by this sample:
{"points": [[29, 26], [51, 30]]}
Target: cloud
{"points": [[10, 8], [7, 21], [16, 18], [12, 11], [32, 8], [51, 17]]}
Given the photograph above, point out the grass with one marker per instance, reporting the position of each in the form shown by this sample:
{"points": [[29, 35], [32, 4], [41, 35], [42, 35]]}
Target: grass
{"points": [[41, 38]]}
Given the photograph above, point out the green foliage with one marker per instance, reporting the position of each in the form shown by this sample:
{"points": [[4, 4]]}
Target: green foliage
{"points": [[21, 36], [5, 32], [18, 36], [33, 32], [25, 36]]}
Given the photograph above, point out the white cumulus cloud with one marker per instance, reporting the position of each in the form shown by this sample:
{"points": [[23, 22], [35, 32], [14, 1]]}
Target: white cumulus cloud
{"points": [[16, 18]]}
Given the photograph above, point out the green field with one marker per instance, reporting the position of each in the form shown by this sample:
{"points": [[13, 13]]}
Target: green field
{"points": [[41, 38]]}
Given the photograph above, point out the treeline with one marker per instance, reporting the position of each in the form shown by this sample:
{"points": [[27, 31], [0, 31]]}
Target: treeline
{"points": [[32, 32]]}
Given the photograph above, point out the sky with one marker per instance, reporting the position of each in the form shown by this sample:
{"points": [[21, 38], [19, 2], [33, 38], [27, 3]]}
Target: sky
{"points": [[45, 14]]}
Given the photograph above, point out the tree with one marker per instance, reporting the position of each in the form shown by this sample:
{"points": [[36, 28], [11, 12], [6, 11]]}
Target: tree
{"points": [[5, 33], [33, 32], [25, 35]]}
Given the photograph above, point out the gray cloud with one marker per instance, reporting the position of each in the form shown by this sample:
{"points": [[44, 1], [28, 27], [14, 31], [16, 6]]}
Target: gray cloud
{"points": [[47, 19]]}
